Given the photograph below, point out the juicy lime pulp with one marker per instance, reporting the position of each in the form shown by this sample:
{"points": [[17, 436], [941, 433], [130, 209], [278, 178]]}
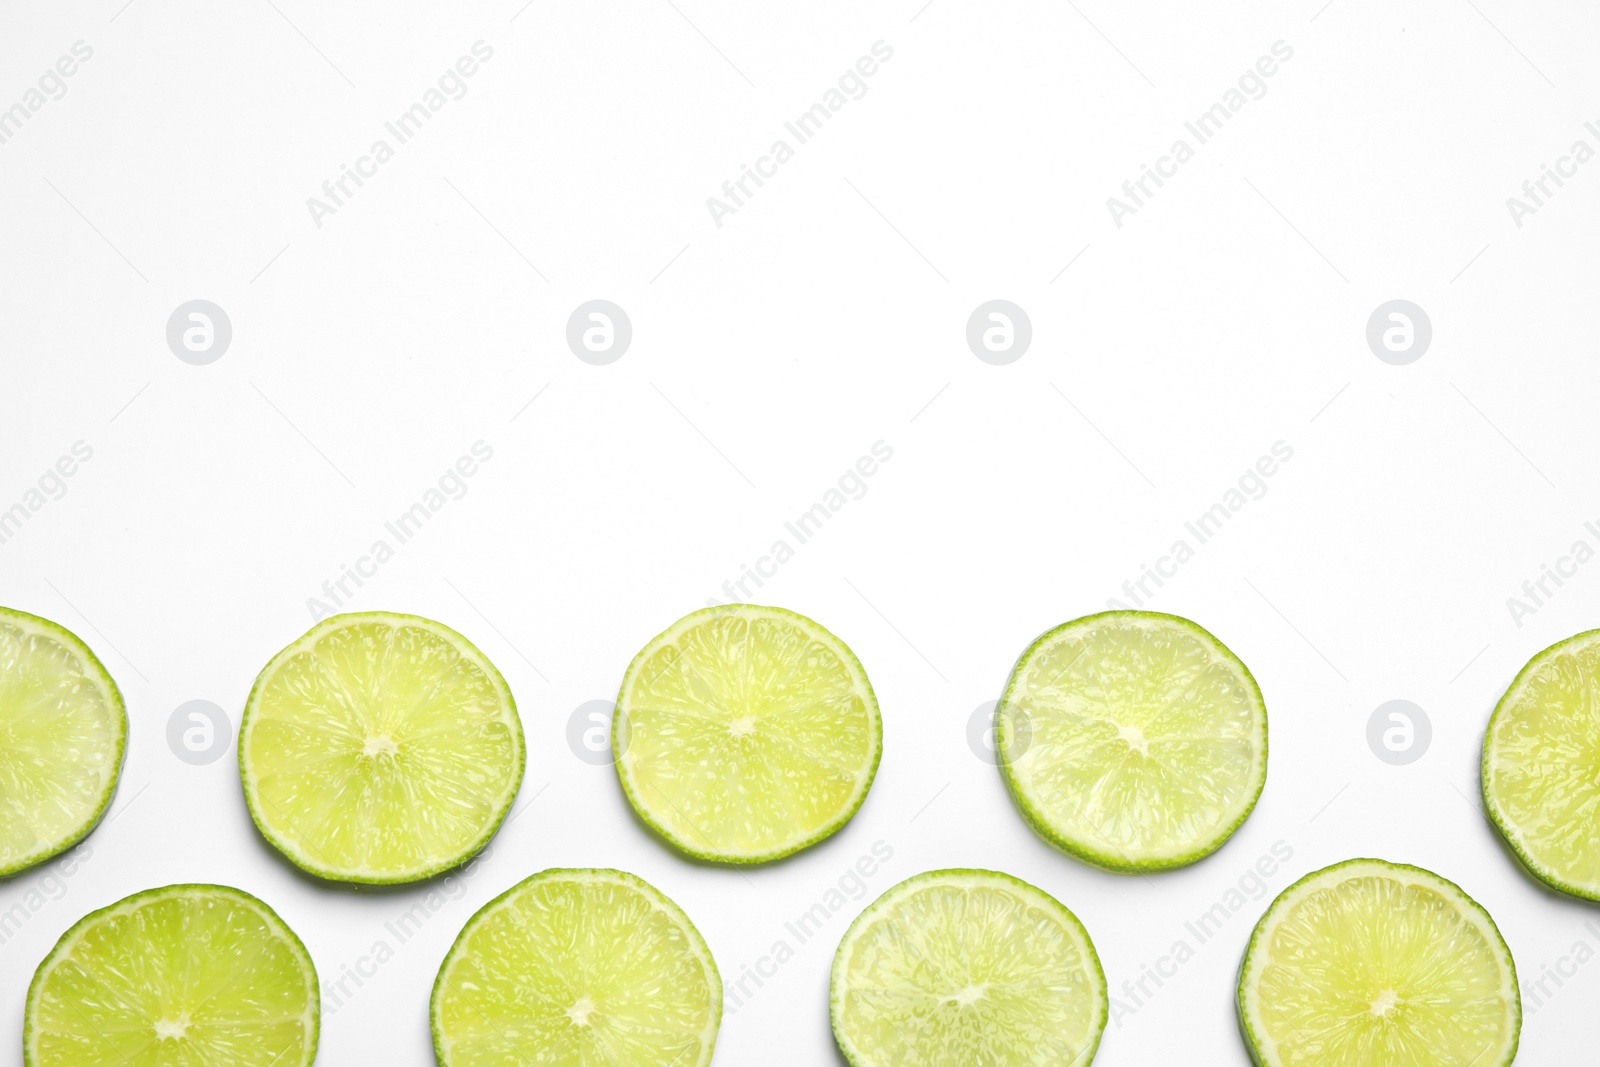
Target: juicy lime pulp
{"points": [[198, 975], [746, 733], [577, 968], [1540, 753], [63, 730], [1375, 964], [380, 748], [1133, 740], [960, 968]]}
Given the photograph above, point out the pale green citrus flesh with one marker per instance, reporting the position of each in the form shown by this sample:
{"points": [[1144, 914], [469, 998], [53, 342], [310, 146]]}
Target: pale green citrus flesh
{"points": [[1374, 964], [185, 976], [577, 968], [745, 733], [380, 748], [62, 734], [961, 968], [1135, 740], [1541, 765]]}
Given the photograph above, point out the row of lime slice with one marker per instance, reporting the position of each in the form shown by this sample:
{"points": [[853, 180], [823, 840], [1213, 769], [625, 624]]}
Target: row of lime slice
{"points": [[1362, 963], [386, 748], [742, 734]]}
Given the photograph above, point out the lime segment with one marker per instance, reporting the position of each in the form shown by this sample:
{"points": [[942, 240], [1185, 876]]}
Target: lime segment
{"points": [[63, 730], [577, 968], [190, 975], [958, 968], [380, 748], [746, 733], [1133, 740], [1539, 760], [1374, 964]]}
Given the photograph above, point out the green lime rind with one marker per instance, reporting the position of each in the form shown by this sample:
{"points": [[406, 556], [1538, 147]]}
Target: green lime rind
{"points": [[1025, 891], [1249, 962], [695, 943], [1493, 805], [686, 843], [271, 918], [1061, 836], [285, 844], [96, 670]]}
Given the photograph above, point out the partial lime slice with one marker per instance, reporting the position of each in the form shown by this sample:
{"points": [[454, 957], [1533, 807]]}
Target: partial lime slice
{"points": [[745, 733], [577, 968], [63, 730], [1133, 740], [1540, 756], [380, 748], [190, 975], [1374, 964], [962, 968]]}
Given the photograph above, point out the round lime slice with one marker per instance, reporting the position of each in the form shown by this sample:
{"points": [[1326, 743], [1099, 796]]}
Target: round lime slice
{"points": [[746, 733], [199, 975], [1374, 964], [380, 748], [580, 967], [1539, 759], [1133, 740], [63, 730], [967, 968]]}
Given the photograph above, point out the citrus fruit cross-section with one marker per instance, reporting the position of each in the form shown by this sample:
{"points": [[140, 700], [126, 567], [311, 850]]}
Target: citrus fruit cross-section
{"points": [[959, 968], [577, 968], [746, 733], [380, 748], [1541, 756], [193, 975], [63, 730], [1375, 964], [1133, 740]]}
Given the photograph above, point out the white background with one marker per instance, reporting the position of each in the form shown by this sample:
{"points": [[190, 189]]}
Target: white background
{"points": [[768, 354]]}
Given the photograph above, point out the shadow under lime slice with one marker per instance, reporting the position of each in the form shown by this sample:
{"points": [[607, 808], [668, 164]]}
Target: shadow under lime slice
{"points": [[1375, 964], [63, 731], [187, 974], [1541, 765], [746, 733], [1133, 740], [965, 968], [380, 748], [590, 967]]}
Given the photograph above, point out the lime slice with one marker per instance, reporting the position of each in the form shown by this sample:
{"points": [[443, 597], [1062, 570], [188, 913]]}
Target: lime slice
{"points": [[967, 968], [745, 733], [63, 730], [1539, 760], [577, 969], [1133, 740], [1374, 964], [192, 975], [380, 748]]}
